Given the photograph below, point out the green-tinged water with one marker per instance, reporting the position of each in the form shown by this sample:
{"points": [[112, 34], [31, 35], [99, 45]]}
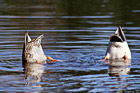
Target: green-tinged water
{"points": [[75, 31]]}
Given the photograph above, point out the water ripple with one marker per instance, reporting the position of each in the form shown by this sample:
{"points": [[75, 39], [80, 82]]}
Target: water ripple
{"points": [[56, 17]]}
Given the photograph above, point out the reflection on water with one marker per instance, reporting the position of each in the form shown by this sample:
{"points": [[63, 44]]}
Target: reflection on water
{"points": [[33, 73], [118, 67], [74, 31]]}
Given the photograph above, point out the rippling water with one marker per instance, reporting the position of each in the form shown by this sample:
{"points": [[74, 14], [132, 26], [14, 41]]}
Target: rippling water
{"points": [[76, 32]]}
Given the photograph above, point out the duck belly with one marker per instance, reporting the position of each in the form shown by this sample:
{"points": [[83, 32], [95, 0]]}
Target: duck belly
{"points": [[116, 52], [38, 53], [35, 54]]}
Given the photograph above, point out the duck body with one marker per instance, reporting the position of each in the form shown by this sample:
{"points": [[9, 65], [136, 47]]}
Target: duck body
{"points": [[118, 47], [117, 50], [32, 50]]}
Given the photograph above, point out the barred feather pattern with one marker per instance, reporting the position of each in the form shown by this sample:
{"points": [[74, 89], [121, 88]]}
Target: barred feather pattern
{"points": [[33, 51]]}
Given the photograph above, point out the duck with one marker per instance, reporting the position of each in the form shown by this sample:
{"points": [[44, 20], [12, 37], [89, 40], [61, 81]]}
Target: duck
{"points": [[118, 47], [32, 50]]}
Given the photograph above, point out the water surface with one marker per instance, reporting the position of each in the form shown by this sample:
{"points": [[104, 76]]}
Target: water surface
{"points": [[76, 32]]}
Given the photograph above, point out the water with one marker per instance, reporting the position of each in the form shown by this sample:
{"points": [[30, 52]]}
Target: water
{"points": [[76, 32]]}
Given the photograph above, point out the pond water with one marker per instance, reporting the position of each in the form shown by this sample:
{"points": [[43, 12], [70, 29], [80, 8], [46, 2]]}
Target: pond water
{"points": [[76, 32]]}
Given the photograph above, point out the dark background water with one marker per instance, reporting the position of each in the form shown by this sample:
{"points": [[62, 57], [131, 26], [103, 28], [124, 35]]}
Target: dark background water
{"points": [[76, 31]]}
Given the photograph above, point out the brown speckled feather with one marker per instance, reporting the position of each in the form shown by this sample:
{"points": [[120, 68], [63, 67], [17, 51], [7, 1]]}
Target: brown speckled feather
{"points": [[32, 50]]}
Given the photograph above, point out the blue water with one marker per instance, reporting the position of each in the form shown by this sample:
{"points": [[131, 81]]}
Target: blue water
{"points": [[76, 32]]}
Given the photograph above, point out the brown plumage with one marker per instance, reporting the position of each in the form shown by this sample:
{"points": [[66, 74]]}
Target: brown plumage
{"points": [[32, 50]]}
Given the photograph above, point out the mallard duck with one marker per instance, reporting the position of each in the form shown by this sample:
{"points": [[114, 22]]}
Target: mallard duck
{"points": [[118, 47], [32, 50]]}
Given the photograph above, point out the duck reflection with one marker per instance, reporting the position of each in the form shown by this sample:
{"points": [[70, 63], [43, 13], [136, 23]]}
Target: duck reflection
{"points": [[118, 67], [33, 73]]}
